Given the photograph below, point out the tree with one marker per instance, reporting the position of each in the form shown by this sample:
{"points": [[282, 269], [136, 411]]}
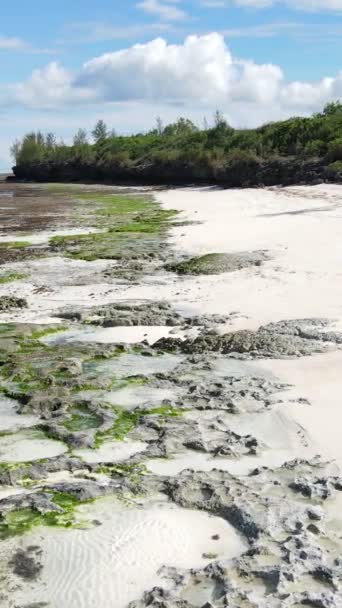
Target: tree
{"points": [[40, 139], [50, 141], [159, 125], [219, 120], [332, 108], [80, 138], [183, 126], [100, 131], [15, 150]]}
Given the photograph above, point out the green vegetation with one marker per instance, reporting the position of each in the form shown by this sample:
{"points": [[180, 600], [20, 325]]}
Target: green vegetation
{"points": [[126, 222], [23, 520], [116, 204], [335, 167], [318, 136], [82, 419], [127, 420], [211, 263], [10, 277], [14, 244], [47, 331]]}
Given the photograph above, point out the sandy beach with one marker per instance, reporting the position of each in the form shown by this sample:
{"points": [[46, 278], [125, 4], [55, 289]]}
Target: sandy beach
{"points": [[171, 436]]}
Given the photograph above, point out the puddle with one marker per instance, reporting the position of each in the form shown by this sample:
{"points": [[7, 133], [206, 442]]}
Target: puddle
{"points": [[29, 445], [10, 420], [114, 563]]}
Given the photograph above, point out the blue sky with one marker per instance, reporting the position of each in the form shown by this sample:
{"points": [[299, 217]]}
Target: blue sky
{"points": [[65, 64]]}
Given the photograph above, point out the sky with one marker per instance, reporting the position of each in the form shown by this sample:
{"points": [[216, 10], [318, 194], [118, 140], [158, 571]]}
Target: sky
{"points": [[66, 64]]}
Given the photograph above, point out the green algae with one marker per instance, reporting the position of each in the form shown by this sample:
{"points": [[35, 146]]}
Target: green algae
{"points": [[126, 222], [116, 204], [10, 277], [15, 244], [48, 331], [62, 514], [212, 263], [127, 420], [82, 419]]}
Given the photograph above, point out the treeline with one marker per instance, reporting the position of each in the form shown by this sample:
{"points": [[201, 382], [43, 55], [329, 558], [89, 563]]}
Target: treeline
{"points": [[210, 149]]}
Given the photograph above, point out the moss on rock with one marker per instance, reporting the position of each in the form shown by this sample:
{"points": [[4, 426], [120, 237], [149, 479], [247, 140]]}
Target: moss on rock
{"points": [[217, 263]]}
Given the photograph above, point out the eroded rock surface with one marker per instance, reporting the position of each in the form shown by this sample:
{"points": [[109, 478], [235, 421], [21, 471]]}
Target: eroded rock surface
{"points": [[277, 340], [9, 302], [217, 263]]}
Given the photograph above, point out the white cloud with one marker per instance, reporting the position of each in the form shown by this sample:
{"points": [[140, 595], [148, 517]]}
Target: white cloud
{"points": [[96, 31], [164, 9], [11, 44], [307, 5], [199, 75]]}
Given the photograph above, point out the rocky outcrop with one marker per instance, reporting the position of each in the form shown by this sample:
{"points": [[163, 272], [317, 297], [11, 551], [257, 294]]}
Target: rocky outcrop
{"points": [[239, 174], [279, 340]]}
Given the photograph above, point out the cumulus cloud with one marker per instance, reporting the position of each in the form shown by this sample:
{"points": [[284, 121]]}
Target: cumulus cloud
{"points": [[200, 73]]}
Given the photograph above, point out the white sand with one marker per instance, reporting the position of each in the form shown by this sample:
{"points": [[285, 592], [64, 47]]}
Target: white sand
{"points": [[10, 420], [119, 335], [44, 236], [113, 451], [7, 491], [130, 364], [132, 396], [318, 379], [281, 440], [300, 227], [113, 564], [29, 445]]}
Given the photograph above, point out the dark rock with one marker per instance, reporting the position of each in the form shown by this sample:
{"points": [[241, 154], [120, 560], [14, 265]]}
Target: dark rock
{"points": [[26, 565], [9, 302]]}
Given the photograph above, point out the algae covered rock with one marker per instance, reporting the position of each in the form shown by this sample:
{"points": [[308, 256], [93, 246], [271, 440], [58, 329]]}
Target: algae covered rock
{"points": [[9, 302], [217, 263]]}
